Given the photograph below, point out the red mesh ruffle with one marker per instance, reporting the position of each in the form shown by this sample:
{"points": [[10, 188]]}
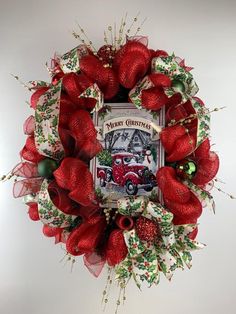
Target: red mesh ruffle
{"points": [[74, 175], [86, 237], [105, 77], [84, 133], [178, 198], [29, 151], [116, 250], [154, 98], [132, 62]]}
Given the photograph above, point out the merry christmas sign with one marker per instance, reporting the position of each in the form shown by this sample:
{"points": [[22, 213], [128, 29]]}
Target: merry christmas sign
{"points": [[131, 153]]}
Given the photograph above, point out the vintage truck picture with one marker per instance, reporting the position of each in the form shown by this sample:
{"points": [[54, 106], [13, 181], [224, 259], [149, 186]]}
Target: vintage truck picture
{"points": [[126, 171], [131, 152]]}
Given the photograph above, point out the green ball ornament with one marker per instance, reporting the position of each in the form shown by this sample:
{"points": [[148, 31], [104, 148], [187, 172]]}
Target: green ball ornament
{"points": [[178, 85], [186, 169], [190, 169], [46, 167]]}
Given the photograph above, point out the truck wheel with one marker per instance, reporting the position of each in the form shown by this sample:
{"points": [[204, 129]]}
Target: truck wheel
{"points": [[108, 175], [102, 182], [131, 188], [148, 189]]}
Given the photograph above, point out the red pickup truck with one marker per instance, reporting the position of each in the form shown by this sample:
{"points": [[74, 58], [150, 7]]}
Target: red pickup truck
{"points": [[128, 173]]}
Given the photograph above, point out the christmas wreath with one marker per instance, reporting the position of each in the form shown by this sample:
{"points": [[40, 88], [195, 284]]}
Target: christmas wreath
{"points": [[143, 235]]}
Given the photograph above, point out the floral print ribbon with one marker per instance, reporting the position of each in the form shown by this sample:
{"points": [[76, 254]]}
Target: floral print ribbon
{"points": [[170, 250]]}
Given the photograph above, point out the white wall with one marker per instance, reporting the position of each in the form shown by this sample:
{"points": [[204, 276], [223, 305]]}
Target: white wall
{"points": [[32, 281]]}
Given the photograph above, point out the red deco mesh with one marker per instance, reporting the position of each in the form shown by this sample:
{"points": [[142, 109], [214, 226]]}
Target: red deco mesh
{"points": [[86, 237], [154, 98], [62, 201], [178, 112], [75, 85], [160, 53], [171, 187], [159, 79], [29, 151], [177, 143], [94, 263], [207, 164], [84, 133], [173, 101], [74, 175], [105, 77], [189, 211], [116, 249], [132, 62], [178, 197]]}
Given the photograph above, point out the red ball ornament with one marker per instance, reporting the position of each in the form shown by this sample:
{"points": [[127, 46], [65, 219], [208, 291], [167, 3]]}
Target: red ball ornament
{"points": [[146, 229]]}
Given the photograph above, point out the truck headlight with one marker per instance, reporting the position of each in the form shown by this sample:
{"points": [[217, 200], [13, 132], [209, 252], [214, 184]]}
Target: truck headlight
{"points": [[140, 173]]}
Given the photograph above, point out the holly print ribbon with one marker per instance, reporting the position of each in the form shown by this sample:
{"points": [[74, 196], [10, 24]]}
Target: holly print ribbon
{"points": [[94, 91], [49, 214], [47, 139], [203, 120], [205, 197], [69, 62], [135, 94], [201, 112], [170, 249], [182, 79]]}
